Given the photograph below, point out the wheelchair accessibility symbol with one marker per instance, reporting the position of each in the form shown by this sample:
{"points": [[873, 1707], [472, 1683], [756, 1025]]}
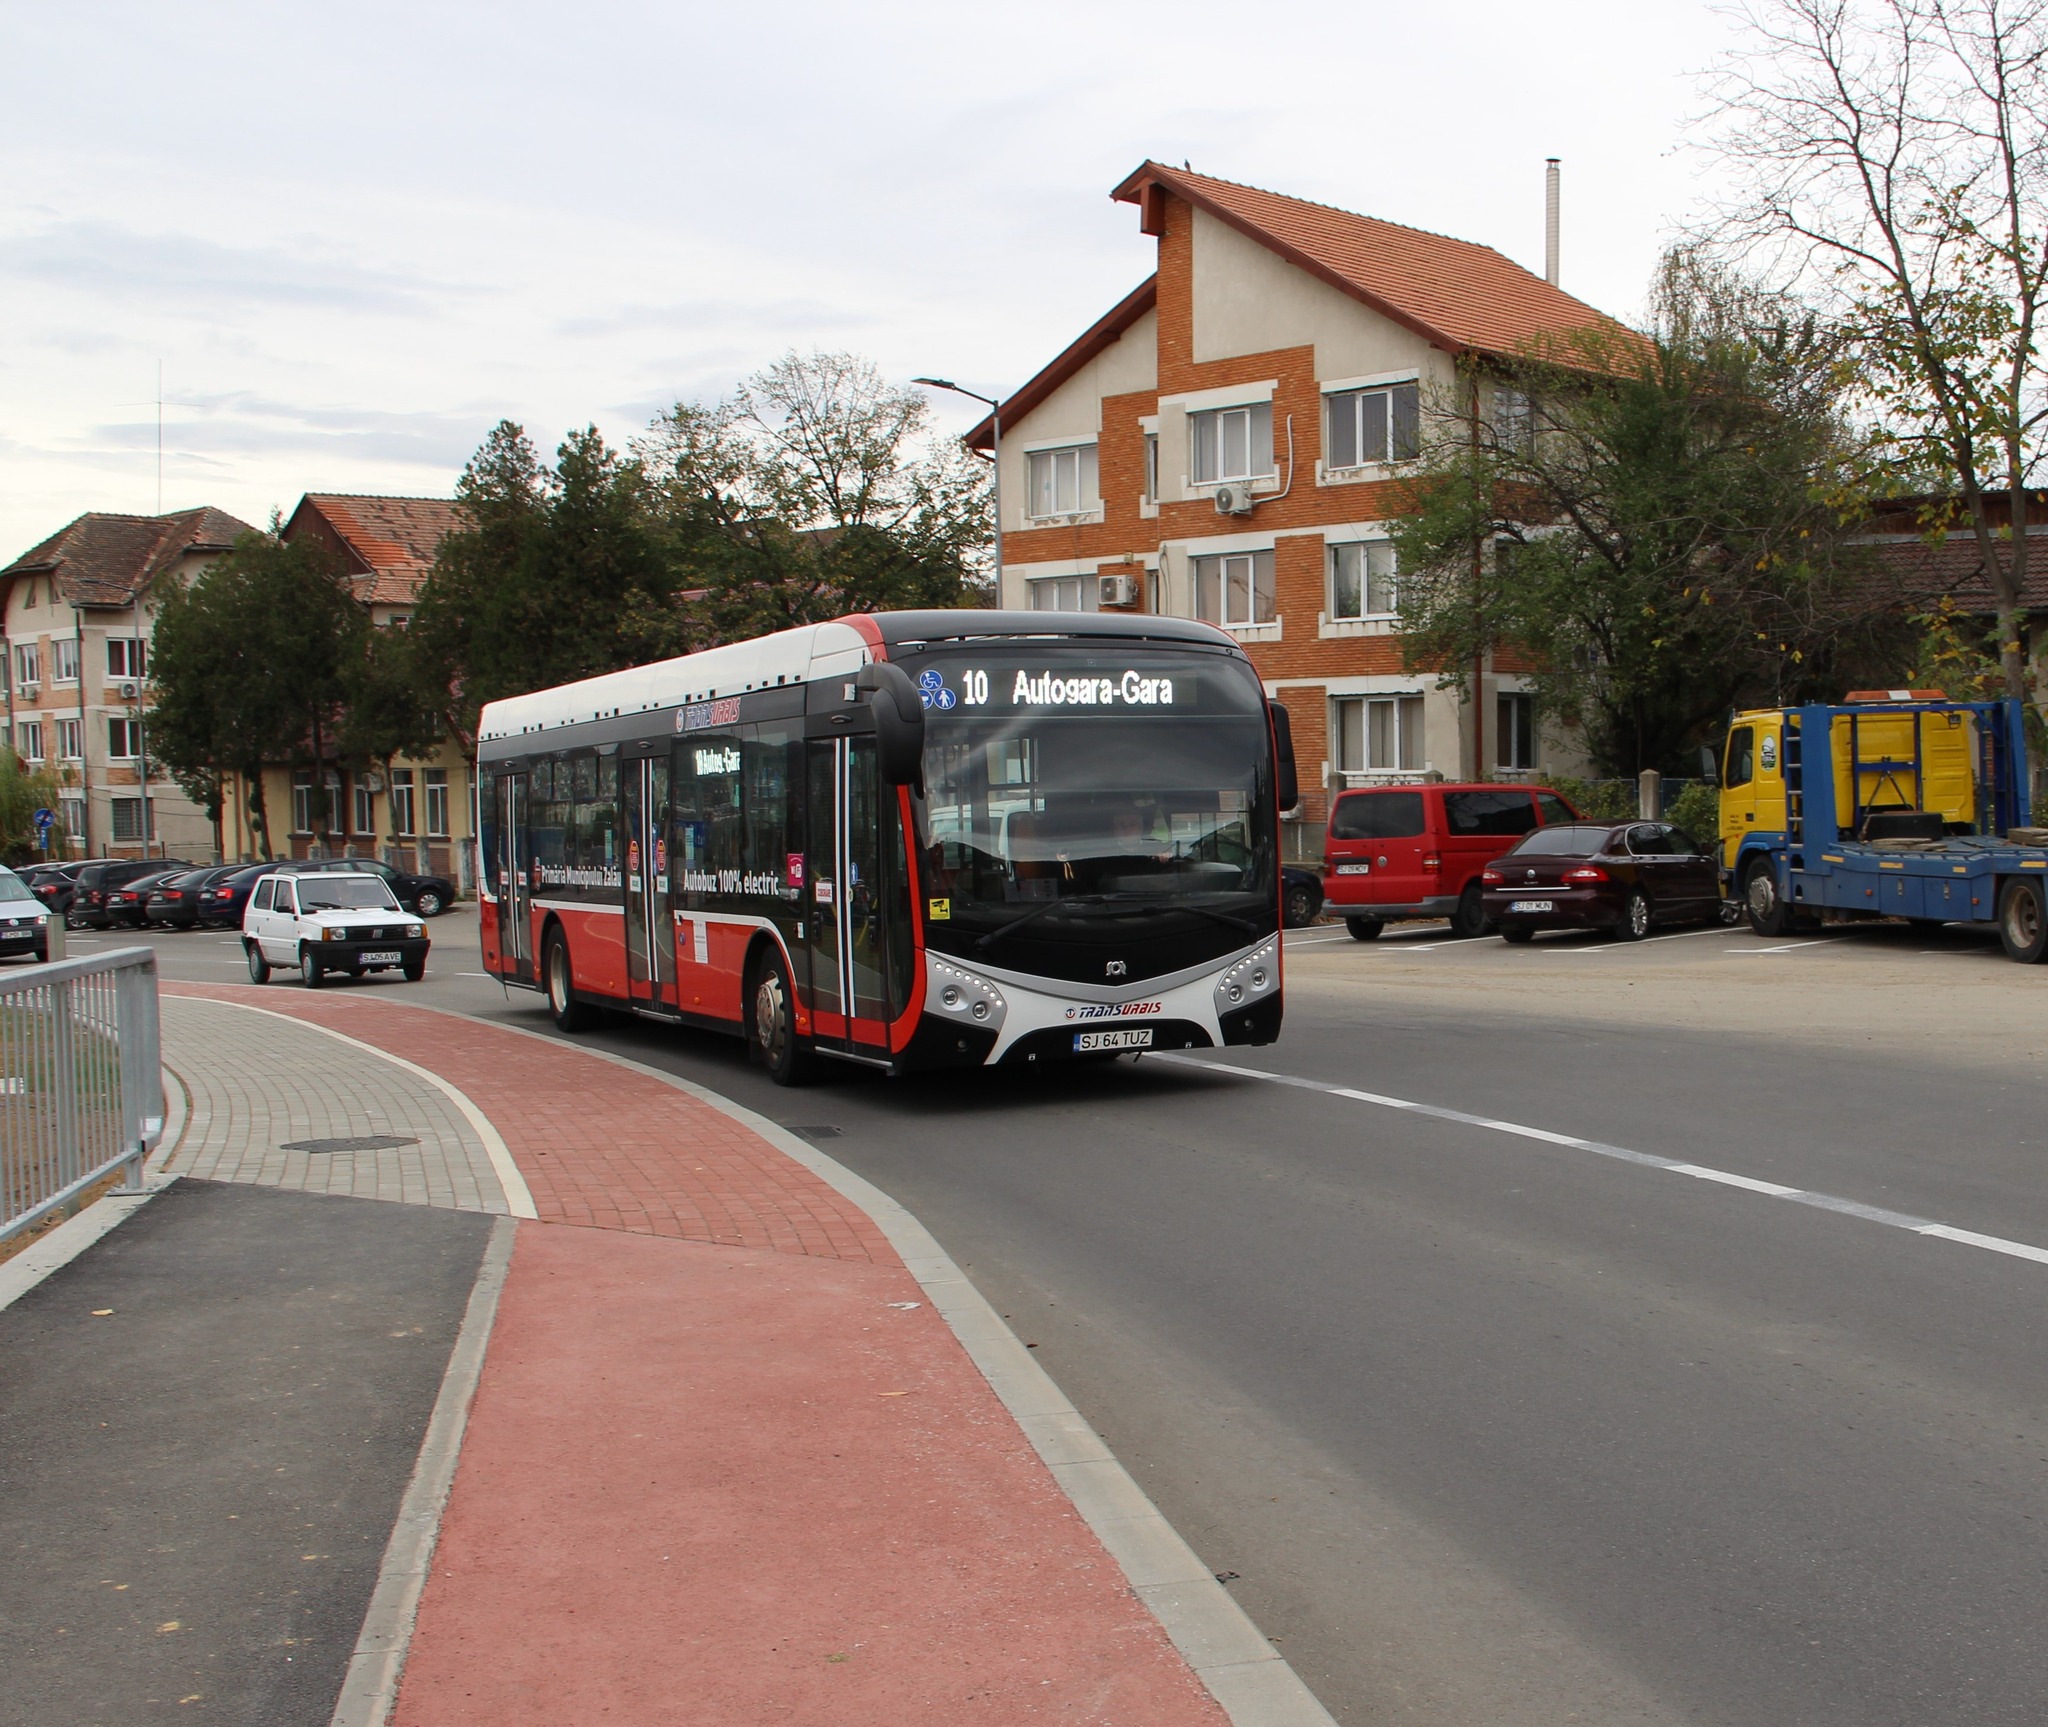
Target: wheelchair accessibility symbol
{"points": [[932, 691]]}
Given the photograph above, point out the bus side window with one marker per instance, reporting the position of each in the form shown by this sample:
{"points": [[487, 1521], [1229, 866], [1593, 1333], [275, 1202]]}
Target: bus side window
{"points": [[1741, 761]]}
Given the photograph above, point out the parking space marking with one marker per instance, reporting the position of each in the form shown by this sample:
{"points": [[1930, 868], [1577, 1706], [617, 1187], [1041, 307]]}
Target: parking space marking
{"points": [[1647, 1159], [1626, 946], [1818, 941]]}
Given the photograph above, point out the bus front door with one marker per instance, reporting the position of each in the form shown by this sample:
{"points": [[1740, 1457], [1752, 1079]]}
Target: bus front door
{"points": [[515, 882], [650, 924], [850, 902]]}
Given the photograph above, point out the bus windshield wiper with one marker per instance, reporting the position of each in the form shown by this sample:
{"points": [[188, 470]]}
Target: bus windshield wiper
{"points": [[1035, 913], [1126, 904]]}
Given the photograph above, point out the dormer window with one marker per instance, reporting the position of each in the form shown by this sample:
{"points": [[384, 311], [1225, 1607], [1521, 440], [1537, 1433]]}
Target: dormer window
{"points": [[1231, 444], [1060, 482]]}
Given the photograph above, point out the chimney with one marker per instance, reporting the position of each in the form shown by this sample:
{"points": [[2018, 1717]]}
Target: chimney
{"points": [[1550, 220]]}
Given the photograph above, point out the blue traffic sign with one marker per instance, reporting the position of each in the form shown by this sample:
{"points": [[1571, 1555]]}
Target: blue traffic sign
{"points": [[46, 819]]}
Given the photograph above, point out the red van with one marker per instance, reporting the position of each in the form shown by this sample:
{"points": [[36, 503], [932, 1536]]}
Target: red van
{"points": [[1417, 851]]}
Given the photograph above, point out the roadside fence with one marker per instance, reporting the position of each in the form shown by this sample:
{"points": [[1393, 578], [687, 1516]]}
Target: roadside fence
{"points": [[81, 1080]]}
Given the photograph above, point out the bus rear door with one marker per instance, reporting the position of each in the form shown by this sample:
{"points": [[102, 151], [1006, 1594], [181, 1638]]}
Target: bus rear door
{"points": [[650, 922], [515, 902]]}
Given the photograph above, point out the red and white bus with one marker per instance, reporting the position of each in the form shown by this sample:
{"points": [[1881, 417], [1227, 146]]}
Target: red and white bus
{"points": [[909, 839]]}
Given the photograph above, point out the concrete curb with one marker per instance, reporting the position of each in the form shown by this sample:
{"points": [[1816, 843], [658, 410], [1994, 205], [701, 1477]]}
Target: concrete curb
{"points": [[1216, 1637], [370, 1687]]}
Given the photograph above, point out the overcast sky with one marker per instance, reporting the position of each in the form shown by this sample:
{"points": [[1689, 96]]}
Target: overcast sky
{"points": [[355, 236]]}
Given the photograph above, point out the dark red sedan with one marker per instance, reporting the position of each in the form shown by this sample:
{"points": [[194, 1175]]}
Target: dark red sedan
{"points": [[1626, 877]]}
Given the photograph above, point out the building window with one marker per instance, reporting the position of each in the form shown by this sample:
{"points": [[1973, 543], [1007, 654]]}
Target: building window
{"points": [[1362, 580], [71, 812], [128, 823], [64, 660], [1514, 728], [401, 803], [1514, 419], [1235, 589], [1379, 734], [29, 740], [437, 803], [124, 739], [1155, 596], [1063, 594], [126, 657], [366, 809], [1151, 467], [1060, 482], [302, 801], [28, 666], [1232, 443], [1382, 425], [70, 740], [398, 620]]}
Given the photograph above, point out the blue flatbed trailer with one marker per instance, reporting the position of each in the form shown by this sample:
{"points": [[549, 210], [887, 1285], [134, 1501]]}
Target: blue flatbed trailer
{"points": [[1824, 871]]}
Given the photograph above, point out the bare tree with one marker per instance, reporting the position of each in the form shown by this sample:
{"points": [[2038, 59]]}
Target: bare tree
{"points": [[1893, 154]]}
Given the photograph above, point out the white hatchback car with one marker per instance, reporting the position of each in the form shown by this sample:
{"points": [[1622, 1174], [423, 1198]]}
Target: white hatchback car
{"points": [[330, 922]]}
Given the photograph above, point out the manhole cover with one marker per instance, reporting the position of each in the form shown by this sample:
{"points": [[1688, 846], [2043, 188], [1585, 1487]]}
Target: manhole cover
{"points": [[361, 1142], [825, 1132]]}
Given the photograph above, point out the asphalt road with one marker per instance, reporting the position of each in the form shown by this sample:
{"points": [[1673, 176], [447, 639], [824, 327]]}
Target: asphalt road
{"points": [[1507, 1429]]}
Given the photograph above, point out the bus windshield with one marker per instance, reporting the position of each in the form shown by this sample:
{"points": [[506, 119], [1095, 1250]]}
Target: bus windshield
{"points": [[1058, 796]]}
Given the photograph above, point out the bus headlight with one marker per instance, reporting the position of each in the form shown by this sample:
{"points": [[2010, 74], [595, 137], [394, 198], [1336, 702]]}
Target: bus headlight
{"points": [[1252, 978], [958, 993]]}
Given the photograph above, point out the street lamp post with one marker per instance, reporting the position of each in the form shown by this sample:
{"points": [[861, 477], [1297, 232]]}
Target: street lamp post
{"points": [[995, 411]]}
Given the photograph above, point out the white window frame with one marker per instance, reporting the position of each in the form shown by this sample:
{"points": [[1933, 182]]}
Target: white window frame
{"points": [[404, 813], [302, 800], [1227, 582], [1365, 553], [30, 740], [1514, 418], [127, 656], [1507, 736], [1363, 415], [124, 738], [64, 659], [1226, 444], [71, 732], [434, 784], [28, 666], [365, 808], [1064, 593], [1060, 481], [1391, 732], [71, 812], [1151, 468]]}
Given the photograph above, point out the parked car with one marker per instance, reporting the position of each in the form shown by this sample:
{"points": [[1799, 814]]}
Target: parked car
{"points": [[175, 900], [127, 906], [429, 895], [88, 907], [324, 921], [223, 900], [1624, 876], [1418, 850], [54, 883], [24, 920], [1301, 895]]}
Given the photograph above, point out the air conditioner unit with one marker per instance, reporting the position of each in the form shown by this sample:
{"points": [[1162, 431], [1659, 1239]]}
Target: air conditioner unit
{"points": [[130, 691], [1234, 499], [1116, 590]]}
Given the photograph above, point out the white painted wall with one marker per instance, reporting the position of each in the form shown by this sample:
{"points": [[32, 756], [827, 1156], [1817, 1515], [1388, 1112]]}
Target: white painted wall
{"points": [[1073, 412]]}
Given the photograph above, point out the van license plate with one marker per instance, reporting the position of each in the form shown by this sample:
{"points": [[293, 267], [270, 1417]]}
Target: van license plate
{"points": [[1354, 869], [1531, 905], [1137, 1038], [382, 958]]}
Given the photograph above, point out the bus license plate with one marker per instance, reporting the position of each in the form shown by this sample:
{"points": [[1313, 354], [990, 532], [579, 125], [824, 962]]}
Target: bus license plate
{"points": [[1531, 905], [1354, 869], [382, 958], [1139, 1037]]}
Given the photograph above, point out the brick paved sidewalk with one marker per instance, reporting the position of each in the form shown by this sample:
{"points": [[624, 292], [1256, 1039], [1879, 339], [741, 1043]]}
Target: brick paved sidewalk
{"points": [[726, 1464]]}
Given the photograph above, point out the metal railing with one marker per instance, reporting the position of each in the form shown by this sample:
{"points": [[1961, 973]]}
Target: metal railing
{"points": [[81, 1080]]}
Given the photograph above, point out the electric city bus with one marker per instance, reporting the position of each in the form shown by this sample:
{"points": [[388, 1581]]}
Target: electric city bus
{"points": [[911, 840]]}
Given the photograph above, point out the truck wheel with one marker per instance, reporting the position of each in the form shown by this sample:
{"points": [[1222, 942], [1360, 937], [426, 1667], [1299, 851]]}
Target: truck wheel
{"points": [[1469, 919], [1364, 928], [1762, 904], [2023, 922], [570, 1015]]}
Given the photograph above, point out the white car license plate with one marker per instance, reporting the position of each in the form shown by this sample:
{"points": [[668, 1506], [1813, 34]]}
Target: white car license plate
{"points": [[1139, 1037], [1354, 869], [1531, 905], [382, 958]]}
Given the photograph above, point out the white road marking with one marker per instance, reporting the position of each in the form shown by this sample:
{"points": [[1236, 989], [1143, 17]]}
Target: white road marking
{"points": [[1649, 1160], [1818, 941], [486, 976], [1624, 946]]}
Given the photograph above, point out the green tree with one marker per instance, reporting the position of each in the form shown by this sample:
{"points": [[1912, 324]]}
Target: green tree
{"points": [[23, 791], [1673, 533]]}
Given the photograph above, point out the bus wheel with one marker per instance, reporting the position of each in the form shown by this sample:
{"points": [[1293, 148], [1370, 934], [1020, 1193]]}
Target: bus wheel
{"points": [[1761, 902], [570, 1015], [2023, 922], [771, 1029]]}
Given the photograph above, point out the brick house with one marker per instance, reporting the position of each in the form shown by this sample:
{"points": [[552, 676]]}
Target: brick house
{"points": [[77, 614], [414, 813], [1283, 353]]}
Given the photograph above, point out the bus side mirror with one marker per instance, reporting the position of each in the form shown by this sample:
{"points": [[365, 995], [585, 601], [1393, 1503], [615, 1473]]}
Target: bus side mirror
{"points": [[899, 722], [1286, 782]]}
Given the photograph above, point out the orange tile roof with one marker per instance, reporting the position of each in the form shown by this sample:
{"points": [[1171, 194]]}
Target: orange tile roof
{"points": [[106, 560], [1461, 296], [387, 543]]}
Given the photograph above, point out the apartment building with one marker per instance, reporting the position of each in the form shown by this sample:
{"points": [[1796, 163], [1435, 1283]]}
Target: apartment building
{"points": [[412, 812], [77, 614], [1227, 443]]}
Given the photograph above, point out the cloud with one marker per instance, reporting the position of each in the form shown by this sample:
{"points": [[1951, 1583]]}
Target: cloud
{"points": [[719, 315]]}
